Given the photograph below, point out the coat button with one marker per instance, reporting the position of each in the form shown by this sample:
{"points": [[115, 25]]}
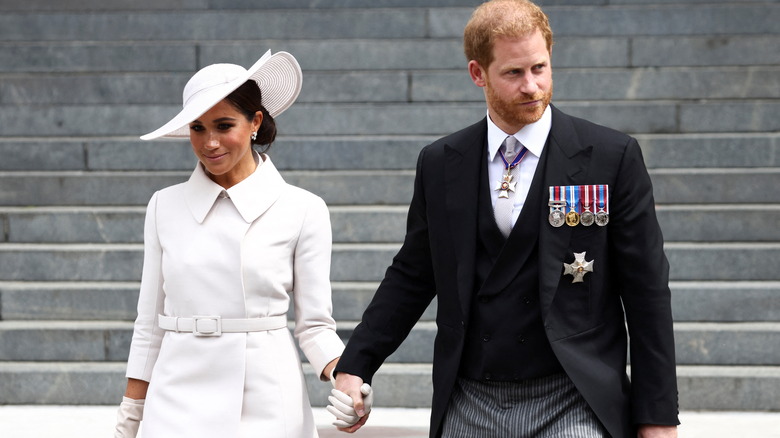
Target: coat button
{"points": [[488, 376], [486, 338], [521, 339]]}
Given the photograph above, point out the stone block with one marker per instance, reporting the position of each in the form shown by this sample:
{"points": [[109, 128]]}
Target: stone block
{"points": [[216, 25], [64, 341], [116, 225], [346, 54], [137, 154], [69, 301], [120, 88], [726, 301], [356, 187], [87, 57], [719, 50], [62, 383], [727, 344], [368, 225], [710, 150], [355, 87], [657, 19], [722, 186], [20, 262], [33, 154], [361, 262], [38, 6], [362, 152], [351, 299], [736, 116], [722, 261], [725, 388], [80, 189], [719, 223], [631, 117]]}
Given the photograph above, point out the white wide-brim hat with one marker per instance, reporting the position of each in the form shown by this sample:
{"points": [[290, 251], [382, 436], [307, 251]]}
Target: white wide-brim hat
{"points": [[278, 76]]}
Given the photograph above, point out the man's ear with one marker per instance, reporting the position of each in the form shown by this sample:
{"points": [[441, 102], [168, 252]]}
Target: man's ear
{"points": [[477, 73]]}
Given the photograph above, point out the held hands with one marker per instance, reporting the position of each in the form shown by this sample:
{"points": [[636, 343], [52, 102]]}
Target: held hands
{"points": [[350, 402], [128, 418]]}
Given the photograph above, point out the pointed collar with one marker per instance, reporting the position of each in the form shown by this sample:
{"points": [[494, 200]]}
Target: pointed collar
{"points": [[252, 196], [532, 136]]}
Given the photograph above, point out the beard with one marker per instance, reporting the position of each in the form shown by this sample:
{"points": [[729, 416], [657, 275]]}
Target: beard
{"points": [[512, 111]]}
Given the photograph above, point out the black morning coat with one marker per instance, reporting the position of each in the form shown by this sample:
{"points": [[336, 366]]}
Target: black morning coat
{"points": [[585, 322]]}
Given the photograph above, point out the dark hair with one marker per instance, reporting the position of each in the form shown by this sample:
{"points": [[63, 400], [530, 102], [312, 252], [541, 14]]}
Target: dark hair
{"points": [[248, 99]]}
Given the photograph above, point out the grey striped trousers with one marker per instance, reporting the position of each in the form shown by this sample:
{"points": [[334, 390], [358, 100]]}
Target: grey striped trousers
{"points": [[548, 407]]}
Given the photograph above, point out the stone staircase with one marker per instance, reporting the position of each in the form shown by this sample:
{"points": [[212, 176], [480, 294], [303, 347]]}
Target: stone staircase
{"points": [[698, 82]]}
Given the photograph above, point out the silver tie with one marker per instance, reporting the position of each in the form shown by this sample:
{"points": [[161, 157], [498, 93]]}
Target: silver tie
{"points": [[505, 205]]}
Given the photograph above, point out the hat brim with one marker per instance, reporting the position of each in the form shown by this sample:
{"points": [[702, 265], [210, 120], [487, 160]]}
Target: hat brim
{"points": [[278, 76]]}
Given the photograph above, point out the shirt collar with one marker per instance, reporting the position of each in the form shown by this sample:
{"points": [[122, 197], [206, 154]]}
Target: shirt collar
{"points": [[532, 136], [252, 196]]}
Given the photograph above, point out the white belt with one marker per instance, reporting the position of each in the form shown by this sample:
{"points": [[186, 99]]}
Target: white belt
{"points": [[216, 325]]}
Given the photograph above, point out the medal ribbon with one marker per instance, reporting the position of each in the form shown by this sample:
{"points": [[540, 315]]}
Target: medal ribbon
{"points": [[516, 161], [585, 196], [603, 193], [573, 193]]}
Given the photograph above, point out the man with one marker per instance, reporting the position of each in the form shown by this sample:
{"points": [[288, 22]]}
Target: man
{"points": [[537, 232]]}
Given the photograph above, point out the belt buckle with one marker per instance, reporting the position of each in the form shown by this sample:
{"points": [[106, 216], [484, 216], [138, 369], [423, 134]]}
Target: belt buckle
{"points": [[207, 325]]}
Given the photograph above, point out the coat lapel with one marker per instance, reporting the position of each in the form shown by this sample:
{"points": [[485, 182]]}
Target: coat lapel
{"points": [[463, 156], [567, 163]]}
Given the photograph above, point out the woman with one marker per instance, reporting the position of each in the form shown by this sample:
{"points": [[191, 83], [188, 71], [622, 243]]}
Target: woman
{"points": [[223, 252]]}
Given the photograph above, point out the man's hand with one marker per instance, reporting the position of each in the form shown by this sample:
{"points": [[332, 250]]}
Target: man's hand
{"points": [[656, 431], [351, 401]]}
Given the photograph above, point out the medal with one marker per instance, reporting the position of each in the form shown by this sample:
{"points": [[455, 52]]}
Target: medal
{"points": [[557, 203], [506, 184], [602, 215], [587, 217], [579, 268], [572, 217]]}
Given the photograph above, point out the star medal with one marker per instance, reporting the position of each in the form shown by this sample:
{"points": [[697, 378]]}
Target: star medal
{"points": [[572, 217], [587, 218], [579, 268], [557, 203], [602, 215], [506, 184]]}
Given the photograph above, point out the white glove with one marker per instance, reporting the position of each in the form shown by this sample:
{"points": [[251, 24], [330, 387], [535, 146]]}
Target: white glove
{"points": [[128, 418], [341, 406]]}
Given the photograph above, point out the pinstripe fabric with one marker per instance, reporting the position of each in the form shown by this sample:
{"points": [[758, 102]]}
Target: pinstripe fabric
{"points": [[549, 407]]}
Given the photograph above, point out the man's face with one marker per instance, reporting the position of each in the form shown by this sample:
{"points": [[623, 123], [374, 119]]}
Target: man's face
{"points": [[518, 83]]}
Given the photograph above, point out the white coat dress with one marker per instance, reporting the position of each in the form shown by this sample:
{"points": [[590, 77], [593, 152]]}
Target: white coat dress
{"points": [[244, 252]]}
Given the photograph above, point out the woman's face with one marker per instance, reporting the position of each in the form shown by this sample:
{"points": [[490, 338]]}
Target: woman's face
{"points": [[221, 140]]}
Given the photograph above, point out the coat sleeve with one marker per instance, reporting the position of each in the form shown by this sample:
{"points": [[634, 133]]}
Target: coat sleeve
{"points": [[315, 328], [403, 295], [147, 336], [642, 275]]}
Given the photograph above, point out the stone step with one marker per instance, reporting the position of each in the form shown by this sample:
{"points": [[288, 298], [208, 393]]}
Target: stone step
{"points": [[359, 187], [419, 119], [371, 224], [360, 152], [146, 5], [704, 301], [432, 22], [692, 301], [733, 388], [688, 83], [359, 262], [344, 55], [696, 343]]}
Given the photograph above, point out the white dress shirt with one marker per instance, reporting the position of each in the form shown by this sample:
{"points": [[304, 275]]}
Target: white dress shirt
{"points": [[533, 137]]}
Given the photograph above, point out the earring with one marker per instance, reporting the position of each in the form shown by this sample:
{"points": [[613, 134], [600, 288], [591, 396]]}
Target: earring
{"points": [[254, 135]]}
